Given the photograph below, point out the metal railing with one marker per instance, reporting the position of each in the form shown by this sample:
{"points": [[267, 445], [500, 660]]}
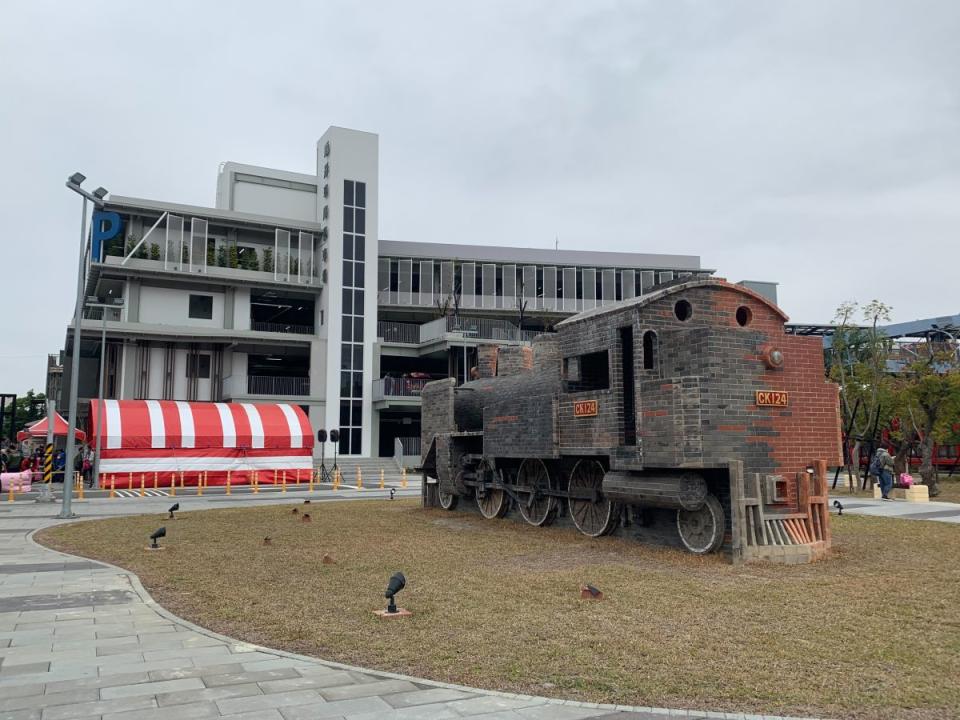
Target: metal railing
{"points": [[96, 313], [488, 329], [281, 327], [268, 385], [398, 332], [390, 387], [407, 446]]}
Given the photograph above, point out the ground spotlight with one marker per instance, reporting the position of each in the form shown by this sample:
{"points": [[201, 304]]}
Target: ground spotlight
{"points": [[173, 509], [392, 491], [156, 535], [397, 583], [838, 506]]}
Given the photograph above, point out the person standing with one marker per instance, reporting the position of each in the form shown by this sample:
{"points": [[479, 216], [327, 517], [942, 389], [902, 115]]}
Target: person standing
{"points": [[884, 468]]}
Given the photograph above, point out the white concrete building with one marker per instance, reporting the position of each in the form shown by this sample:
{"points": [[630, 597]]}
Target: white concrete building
{"points": [[284, 292]]}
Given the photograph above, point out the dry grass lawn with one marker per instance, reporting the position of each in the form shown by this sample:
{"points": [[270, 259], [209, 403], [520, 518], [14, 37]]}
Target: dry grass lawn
{"points": [[872, 633], [949, 490]]}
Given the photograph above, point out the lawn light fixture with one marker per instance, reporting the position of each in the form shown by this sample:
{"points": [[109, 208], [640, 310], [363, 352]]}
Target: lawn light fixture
{"points": [[838, 506], [156, 535], [392, 491], [173, 509], [396, 584]]}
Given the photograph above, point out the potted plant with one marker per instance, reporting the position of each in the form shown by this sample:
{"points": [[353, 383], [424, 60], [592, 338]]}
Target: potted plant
{"points": [[154, 251]]}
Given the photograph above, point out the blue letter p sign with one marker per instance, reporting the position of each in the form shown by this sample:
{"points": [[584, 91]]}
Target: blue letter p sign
{"points": [[106, 226]]}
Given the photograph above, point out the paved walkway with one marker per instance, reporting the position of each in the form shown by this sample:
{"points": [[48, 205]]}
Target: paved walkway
{"points": [[938, 511], [80, 639]]}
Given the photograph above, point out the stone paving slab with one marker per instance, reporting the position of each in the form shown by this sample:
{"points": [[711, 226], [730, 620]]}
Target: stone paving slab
{"points": [[80, 639]]}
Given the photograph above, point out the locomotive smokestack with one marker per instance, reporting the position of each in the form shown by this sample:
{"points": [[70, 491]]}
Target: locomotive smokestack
{"points": [[514, 360]]}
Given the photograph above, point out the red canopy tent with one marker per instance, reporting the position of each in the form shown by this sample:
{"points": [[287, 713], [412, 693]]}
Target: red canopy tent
{"points": [[177, 441], [39, 429]]}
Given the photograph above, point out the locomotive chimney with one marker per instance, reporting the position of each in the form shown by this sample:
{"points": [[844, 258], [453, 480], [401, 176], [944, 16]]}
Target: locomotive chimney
{"points": [[513, 360], [487, 361], [546, 353]]}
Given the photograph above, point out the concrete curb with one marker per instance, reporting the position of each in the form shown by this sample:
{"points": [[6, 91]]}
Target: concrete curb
{"points": [[241, 646]]}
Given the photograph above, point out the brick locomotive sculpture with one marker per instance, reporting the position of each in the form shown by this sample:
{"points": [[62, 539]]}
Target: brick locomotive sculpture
{"points": [[685, 416]]}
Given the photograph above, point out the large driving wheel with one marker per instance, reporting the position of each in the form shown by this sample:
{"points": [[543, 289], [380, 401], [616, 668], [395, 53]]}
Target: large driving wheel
{"points": [[533, 480], [701, 531], [448, 499], [592, 513], [493, 502]]}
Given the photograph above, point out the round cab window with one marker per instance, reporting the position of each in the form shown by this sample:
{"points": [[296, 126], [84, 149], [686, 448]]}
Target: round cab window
{"points": [[683, 310], [744, 316]]}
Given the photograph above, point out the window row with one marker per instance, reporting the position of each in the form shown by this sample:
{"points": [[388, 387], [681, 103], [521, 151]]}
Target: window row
{"points": [[353, 273], [418, 282], [355, 193], [354, 247], [354, 220], [352, 328], [351, 384]]}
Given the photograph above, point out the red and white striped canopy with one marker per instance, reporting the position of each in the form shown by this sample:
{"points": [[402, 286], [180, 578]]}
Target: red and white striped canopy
{"points": [[177, 425], [170, 436], [39, 429]]}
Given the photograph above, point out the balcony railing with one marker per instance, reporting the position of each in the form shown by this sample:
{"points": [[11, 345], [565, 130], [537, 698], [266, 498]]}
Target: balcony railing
{"points": [[390, 387], [268, 385], [398, 332], [96, 313], [281, 328]]}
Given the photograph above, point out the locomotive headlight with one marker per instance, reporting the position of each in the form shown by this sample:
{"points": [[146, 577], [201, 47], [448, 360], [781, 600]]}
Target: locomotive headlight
{"points": [[773, 358]]}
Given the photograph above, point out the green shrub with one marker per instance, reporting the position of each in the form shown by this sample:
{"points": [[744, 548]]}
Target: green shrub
{"points": [[268, 260], [222, 256], [154, 251], [234, 256]]}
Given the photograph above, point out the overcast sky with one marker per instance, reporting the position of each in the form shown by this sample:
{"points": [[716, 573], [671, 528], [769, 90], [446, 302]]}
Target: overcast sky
{"points": [[816, 144]]}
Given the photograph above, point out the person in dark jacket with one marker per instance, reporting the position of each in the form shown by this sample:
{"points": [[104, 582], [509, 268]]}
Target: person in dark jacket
{"points": [[885, 463]]}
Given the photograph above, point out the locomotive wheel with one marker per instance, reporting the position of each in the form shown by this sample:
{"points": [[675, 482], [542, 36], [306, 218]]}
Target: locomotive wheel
{"points": [[493, 503], [533, 479], [591, 518], [448, 500], [701, 531]]}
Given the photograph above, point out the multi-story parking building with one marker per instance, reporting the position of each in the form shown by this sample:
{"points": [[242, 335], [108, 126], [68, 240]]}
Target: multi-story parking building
{"points": [[283, 292]]}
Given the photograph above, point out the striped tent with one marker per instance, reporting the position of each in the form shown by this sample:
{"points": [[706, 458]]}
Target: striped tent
{"points": [[168, 440]]}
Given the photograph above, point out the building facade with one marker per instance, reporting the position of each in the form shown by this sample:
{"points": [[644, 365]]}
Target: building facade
{"points": [[284, 292]]}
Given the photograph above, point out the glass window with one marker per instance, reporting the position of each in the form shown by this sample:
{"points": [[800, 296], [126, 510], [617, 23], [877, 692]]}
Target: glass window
{"points": [[346, 355], [347, 273], [360, 221], [358, 329], [201, 307], [344, 384], [347, 247], [348, 192], [348, 219], [355, 440], [344, 413], [358, 301], [357, 384], [359, 248], [198, 366], [358, 357], [347, 302], [361, 197], [357, 412], [344, 441], [358, 274], [347, 328]]}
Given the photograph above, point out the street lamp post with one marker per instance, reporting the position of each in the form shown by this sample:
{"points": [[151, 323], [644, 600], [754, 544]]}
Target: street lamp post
{"points": [[98, 445], [96, 197]]}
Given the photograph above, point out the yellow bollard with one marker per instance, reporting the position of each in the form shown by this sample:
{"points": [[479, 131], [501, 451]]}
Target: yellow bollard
{"points": [[79, 489], [229, 475], [182, 481], [256, 481], [173, 485], [113, 486], [359, 479], [310, 482], [199, 484], [274, 477], [336, 479], [129, 481], [298, 476], [143, 485], [381, 479], [284, 483], [156, 480], [403, 478], [10, 491]]}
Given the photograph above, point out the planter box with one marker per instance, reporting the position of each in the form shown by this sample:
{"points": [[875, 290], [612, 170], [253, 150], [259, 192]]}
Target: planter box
{"points": [[917, 493]]}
